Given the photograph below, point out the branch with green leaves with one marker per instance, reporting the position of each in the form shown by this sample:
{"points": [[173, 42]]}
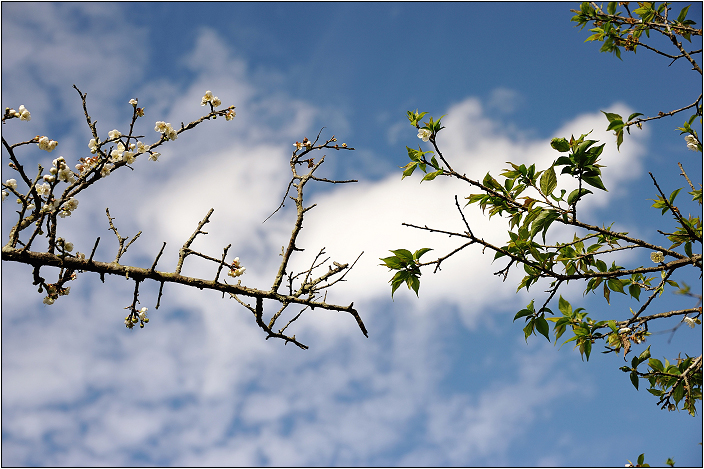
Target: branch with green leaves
{"points": [[533, 203]]}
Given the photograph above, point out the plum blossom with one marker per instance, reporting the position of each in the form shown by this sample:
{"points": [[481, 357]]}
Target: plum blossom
{"points": [[236, 268], [133, 102], [116, 154], [106, 169], [11, 183], [692, 142], [166, 129], [657, 257], [24, 113], [42, 189], [93, 145], [46, 144], [114, 134], [424, 134]]}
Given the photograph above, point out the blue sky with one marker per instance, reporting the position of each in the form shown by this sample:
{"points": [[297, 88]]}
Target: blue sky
{"points": [[444, 379]]}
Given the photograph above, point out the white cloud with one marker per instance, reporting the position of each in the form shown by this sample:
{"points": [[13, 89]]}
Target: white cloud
{"points": [[200, 385]]}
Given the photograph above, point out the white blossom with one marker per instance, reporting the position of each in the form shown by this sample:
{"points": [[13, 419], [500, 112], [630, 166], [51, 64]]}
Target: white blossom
{"points": [[160, 126], [93, 145], [48, 300], [71, 204], [154, 155], [24, 113], [690, 321], [49, 178], [116, 154], [43, 189], [4, 194], [216, 101], [133, 102], [143, 314], [114, 134], [106, 169], [691, 142], [424, 134], [46, 144], [65, 174], [657, 257], [11, 183], [229, 115], [207, 98]]}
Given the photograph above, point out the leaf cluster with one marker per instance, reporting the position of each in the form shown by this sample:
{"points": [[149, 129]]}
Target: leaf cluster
{"points": [[408, 266]]}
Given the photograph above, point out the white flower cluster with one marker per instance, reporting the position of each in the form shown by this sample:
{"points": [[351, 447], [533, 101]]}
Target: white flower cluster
{"points": [[69, 206], [236, 268], [209, 98], [22, 113], [692, 142], [424, 134], [166, 129], [230, 114], [46, 144], [43, 189], [61, 171], [657, 257], [141, 317], [10, 183]]}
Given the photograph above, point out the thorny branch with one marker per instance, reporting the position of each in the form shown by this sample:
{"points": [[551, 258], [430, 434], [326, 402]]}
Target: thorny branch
{"points": [[40, 209]]}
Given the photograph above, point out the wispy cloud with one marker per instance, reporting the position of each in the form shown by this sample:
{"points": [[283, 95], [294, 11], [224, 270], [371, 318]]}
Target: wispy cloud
{"points": [[200, 385]]}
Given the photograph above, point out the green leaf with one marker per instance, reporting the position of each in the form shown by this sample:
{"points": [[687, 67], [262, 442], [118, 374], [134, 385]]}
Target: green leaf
{"points": [[616, 285], [420, 252], [548, 181], [522, 313], [683, 14], [634, 379], [655, 364], [634, 291], [641, 458], [560, 144], [404, 254], [565, 307], [431, 176], [542, 326], [577, 194], [393, 262], [611, 8], [645, 354], [594, 181], [397, 280], [611, 116], [413, 282]]}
